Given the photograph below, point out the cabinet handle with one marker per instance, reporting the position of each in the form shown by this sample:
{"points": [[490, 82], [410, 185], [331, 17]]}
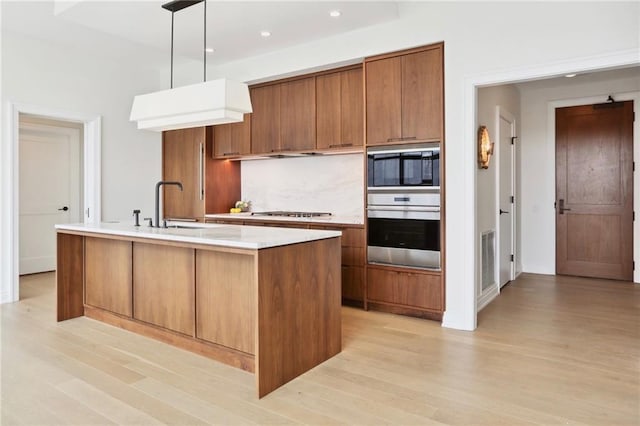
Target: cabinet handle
{"points": [[406, 138], [231, 153], [201, 170], [340, 145]]}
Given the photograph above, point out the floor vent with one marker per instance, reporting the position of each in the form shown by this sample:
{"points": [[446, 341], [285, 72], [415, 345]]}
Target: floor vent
{"points": [[488, 259]]}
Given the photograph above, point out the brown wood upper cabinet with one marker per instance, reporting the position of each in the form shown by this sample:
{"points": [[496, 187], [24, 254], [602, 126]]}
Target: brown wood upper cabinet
{"points": [[232, 140], [284, 117], [339, 109], [404, 96]]}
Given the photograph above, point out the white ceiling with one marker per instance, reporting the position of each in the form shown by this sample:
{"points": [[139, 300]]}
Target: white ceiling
{"points": [[141, 30]]}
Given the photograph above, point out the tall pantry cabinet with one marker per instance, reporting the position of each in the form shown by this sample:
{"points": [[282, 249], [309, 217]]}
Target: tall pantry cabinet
{"points": [[404, 99]]}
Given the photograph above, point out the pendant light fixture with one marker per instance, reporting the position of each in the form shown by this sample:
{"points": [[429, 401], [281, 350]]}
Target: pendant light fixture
{"points": [[204, 104]]}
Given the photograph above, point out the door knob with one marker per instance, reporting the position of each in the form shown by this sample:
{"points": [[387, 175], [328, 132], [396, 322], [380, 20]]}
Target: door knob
{"points": [[503, 211], [64, 209], [561, 207]]}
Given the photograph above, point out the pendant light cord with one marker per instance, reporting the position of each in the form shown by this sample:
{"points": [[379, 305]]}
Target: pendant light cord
{"points": [[175, 6], [172, 49]]}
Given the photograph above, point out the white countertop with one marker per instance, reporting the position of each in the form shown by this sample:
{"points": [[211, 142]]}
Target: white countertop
{"points": [[338, 220], [237, 236]]}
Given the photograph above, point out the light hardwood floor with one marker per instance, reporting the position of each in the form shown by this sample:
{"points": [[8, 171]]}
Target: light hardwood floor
{"points": [[549, 350]]}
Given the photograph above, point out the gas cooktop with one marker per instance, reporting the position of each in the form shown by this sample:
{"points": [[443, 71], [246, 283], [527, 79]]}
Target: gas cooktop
{"points": [[291, 214]]}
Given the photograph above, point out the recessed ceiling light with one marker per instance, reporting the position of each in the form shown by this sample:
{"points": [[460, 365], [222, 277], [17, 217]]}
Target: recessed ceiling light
{"points": [[570, 75], [335, 13], [209, 50], [265, 33]]}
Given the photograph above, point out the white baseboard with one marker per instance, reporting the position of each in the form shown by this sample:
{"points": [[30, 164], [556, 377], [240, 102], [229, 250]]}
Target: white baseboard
{"points": [[487, 297]]}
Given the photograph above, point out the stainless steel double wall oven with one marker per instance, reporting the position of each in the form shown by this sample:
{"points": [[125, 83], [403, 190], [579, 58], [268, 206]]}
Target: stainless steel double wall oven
{"points": [[403, 205]]}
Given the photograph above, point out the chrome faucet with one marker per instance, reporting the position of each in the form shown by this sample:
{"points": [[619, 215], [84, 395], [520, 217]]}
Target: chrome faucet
{"points": [[158, 185]]}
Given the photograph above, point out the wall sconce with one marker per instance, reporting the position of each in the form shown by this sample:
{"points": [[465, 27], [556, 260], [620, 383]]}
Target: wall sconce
{"points": [[485, 147]]}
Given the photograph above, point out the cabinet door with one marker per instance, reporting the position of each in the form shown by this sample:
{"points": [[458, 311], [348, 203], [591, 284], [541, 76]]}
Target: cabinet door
{"points": [[384, 100], [422, 95], [329, 114], [352, 120], [183, 161], [353, 283], [405, 288], [108, 275], [298, 115], [232, 140], [163, 286], [226, 281], [265, 120], [339, 109]]}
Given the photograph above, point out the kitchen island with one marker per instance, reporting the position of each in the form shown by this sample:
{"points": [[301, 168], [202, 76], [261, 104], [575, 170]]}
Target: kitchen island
{"points": [[266, 300]]}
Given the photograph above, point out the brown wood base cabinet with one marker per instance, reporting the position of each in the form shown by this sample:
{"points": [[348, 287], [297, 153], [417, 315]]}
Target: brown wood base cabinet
{"points": [[273, 311], [164, 286], [352, 253], [410, 292], [108, 275]]}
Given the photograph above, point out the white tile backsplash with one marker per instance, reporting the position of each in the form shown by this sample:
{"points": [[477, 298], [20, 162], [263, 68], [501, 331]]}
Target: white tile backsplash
{"points": [[331, 183]]}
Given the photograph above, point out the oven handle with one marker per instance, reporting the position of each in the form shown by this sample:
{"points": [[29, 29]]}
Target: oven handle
{"points": [[403, 213], [435, 209]]}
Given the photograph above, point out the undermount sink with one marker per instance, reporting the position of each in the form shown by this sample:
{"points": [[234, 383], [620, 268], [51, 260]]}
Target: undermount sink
{"points": [[185, 227]]}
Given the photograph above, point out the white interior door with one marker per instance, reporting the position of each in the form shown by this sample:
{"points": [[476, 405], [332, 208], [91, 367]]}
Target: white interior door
{"points": [[49, 191], [506, 208]]}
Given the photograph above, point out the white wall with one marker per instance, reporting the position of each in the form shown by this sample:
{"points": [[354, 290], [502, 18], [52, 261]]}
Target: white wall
{"points": [[538, 171], [483, 42], [36, 73], [330, 183], [507, 97]]}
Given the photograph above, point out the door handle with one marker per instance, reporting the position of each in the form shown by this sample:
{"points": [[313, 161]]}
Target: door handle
{"points": [[561, 207], [64, 209], [503, 211]]}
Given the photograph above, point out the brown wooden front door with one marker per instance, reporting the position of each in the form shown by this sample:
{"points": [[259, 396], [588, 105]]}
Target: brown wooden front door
{"points": [[594, 190]]}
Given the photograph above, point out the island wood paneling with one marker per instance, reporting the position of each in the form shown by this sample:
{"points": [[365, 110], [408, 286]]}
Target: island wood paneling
{"points": [[164, 286], [109, 275], [299, 323], [226, 299], [296, 294], [69, 276]]}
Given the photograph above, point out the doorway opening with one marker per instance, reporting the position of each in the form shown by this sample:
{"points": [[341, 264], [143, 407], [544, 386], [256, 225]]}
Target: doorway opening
{"points": [[50, 188], [90, 176], [594, 190], [536, 159]]}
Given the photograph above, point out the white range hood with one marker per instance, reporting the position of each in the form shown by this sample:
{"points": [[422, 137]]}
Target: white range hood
{"points": [[204, 104]]}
